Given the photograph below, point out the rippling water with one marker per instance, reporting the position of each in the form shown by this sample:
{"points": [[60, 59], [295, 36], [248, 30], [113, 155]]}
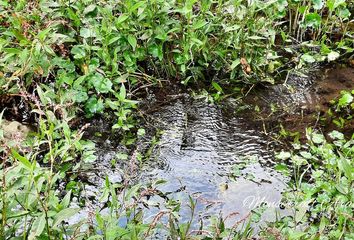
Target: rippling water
{"points": [[199, 150]]}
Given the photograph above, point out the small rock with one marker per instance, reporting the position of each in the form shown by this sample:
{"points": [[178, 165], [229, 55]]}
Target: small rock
{"points": [[14, 133], [115, 178]]}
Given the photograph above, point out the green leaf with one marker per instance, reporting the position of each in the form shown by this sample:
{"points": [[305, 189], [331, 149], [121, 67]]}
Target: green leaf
{"points": [[95, 237], [90, 8], [102, 85], [343, 13], [217, 86], [345, 100], [42, 34], [301, 210], [294, 234], [87, 33], [282, 4], [156, 51], [64, 215], [308, 58], [122, 18], [37, 227], [333, 4], [346, 168], [94, 106], [199, 24], [132, 41], [80, 96], [283, 155], [22, 159], [332, 56], [78, 51], [66, 200], [313, 20], [282, 168], [141, 132], [317, 4], [234, 64], [122, 92], [317, 138], [336, 135], [306, 155]]}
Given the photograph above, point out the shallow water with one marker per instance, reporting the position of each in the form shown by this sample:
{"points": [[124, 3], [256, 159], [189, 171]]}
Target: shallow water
{"points": [[217, 157]]}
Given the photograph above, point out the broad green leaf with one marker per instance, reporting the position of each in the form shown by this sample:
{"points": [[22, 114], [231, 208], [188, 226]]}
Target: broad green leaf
{"points": [[306, 155], [317, 138], [346, 168], [22, 159], [282, 168], [283, 155], [64, 215], [122, 18], [141, 132], [199, 24], [122, 92], [333, 4], [313, 20], [80, 96], [295, 235], [95, 237], [308, 58], [343, 13], [156, 51], [333, 56], [90, 8], [345, 99], [102, 85], [132, 41], [87, 33], [78, 51], [94, 106], [282, 4], [235, 63], [317, 4], [301, 210], [336, 135], [43, 34], [37, 227]]}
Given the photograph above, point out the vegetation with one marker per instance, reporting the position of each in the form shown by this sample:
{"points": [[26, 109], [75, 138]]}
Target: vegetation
{"points": [[322, 188], [63, 63]]}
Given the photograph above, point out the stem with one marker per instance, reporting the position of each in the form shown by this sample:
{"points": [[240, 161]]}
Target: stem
{"points": [[295, 23], [3, 195]]}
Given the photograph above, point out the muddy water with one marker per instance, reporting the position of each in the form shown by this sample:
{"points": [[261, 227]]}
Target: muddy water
{"points": [[217, 157]]}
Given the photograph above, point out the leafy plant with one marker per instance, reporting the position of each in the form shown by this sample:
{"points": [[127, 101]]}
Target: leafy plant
{"points": [[322, 194]]}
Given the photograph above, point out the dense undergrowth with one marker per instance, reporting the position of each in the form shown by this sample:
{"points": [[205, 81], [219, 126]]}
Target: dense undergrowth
{"points": [[61, 61]]}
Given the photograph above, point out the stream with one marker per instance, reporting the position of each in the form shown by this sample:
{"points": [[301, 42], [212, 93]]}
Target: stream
{"points": [[217, 158], [220, 157]]}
